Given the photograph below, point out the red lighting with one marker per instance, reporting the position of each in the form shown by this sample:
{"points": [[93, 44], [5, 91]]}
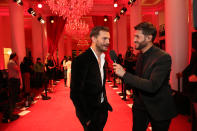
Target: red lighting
{"points": [[39, 5]]}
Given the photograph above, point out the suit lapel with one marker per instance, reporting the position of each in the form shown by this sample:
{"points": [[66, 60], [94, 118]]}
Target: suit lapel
{"points": [[150, 61], [96, 66]]}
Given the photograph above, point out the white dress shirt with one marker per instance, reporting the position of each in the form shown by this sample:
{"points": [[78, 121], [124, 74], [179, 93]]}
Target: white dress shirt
{"points": [[102, 62]]}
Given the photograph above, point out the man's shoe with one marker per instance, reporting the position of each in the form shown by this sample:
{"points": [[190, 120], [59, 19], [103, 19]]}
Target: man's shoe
{"points": [[14, 117], [5, 120]]}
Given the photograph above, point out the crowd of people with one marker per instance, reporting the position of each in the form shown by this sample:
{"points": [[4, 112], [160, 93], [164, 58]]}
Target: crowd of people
{"points": [[25, 79]]}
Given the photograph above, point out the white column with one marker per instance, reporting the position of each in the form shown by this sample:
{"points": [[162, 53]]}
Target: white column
{"points": [[135, 18], [39, 40], [61, 49], [36, 39], [122, 35], [17, 29], [68, 46], [115, 36], [177, 32]]}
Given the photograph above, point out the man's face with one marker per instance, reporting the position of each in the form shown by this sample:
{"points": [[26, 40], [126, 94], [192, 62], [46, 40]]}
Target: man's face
{"points": [[15, 58], [102, 41], [39, 61], [140, 40]]}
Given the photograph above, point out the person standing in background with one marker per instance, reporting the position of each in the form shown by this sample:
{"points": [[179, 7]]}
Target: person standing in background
{"points": [[14, 86], [68, 68], [64, 68], [39, 72]]}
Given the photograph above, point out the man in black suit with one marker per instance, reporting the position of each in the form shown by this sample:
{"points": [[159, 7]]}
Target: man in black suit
{"points": [[87, 89], [152, 93]]}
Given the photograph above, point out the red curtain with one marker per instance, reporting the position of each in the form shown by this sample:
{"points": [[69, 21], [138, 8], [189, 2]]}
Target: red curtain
{"points": [[54, 31], [99, 21]]}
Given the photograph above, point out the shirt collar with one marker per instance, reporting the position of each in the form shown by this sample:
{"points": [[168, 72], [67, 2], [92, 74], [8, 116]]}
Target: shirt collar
{"points": [[147, 52], [102, 55]]}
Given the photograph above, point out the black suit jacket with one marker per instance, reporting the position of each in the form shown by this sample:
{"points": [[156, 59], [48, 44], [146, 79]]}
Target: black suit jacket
{"points": [[153, 85], [86, 86]]}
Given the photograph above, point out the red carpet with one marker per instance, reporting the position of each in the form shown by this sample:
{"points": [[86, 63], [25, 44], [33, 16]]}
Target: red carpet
{"points": [[58, 114]]}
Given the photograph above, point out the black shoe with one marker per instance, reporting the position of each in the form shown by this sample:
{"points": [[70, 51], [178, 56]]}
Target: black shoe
{"points": [[5, 120], [14, 117]]}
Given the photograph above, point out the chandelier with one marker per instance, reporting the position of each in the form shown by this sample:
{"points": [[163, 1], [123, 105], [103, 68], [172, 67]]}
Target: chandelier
{"points": [[70, 9], [77, 28]]}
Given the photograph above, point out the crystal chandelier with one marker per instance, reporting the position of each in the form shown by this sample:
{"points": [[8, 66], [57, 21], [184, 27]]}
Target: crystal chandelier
{"points": [[77, 28], [70, 9]]}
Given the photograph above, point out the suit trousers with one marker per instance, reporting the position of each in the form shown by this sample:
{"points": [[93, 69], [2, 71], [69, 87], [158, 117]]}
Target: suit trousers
{"points": [[141, 119], [98, 122]]}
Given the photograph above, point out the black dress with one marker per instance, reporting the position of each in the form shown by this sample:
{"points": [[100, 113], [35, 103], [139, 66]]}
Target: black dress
{"points": [[50, 72]]}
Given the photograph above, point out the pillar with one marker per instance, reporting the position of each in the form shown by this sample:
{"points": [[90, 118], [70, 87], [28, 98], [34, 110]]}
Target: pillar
{"points": [[68, 46], [135, 18], [17, 29], [177, 36], [39, 40]]}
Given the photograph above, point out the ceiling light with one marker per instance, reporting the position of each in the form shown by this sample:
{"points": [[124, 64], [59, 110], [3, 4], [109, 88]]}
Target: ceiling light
{"points": [[19, 2], [131, 2], [51, 19], [41, 20], [116, 18], [105, 18], [123, 11], [39, 5], [31, 11], [115, 3]]}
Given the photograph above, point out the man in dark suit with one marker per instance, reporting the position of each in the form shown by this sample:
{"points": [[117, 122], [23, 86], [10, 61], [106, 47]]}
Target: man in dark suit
{"points": [[87, 89], [152, 93]]}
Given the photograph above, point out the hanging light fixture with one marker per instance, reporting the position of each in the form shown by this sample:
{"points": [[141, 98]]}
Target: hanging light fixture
{"points": [[70, 9], [77, 28]]}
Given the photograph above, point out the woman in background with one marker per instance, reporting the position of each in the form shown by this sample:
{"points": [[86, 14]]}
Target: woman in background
{"points": [[68, 67]]}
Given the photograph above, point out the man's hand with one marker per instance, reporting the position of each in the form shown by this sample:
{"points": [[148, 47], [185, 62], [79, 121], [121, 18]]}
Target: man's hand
{"points": [[192, 78], [118, 69]]}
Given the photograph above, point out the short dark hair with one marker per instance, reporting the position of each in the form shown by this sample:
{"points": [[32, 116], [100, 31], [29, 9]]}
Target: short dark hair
{"points": [[95, 31], [69, 58], [12, 56], [38, 58], [147, 29]]}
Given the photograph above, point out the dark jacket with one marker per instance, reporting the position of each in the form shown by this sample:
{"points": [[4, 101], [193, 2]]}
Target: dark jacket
{"points": [[86, 86], [153, 85]]}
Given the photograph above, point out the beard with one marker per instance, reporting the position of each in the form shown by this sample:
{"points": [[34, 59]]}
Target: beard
{"points": [[101, 47], [141, 45]]}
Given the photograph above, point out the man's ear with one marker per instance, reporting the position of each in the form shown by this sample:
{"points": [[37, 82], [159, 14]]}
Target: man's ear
{"points": [[149, 37], [93, 39]]}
